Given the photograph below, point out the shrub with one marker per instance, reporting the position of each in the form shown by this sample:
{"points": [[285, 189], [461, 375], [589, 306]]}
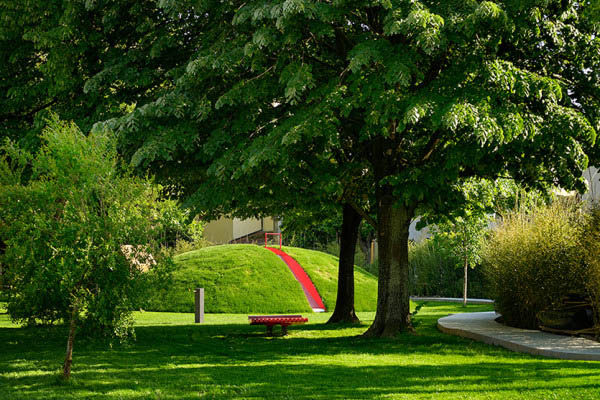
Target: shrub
{"points": [[307, 230], [433, 271], [591, 242], [189, 233], [534, 259], [185, 246]]}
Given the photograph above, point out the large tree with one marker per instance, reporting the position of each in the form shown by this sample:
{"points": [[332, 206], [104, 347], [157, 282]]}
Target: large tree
{"points": [[89, 61], [420, 94]]}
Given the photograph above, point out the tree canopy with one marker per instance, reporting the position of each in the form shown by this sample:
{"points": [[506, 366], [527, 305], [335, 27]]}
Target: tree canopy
{"points": [[385, 105], [411, 96], [84, 60]]}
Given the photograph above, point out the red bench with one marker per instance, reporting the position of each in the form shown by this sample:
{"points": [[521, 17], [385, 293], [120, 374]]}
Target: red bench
{"points": [[271, 320]]}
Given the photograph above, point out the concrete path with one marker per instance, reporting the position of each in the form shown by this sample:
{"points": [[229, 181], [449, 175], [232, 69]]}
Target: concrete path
{"points": [[482, 327], [452, 300]]}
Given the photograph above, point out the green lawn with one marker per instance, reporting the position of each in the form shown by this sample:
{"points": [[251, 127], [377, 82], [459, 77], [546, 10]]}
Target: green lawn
{"points": [[251, 279], [322, 268], [226, 358]]}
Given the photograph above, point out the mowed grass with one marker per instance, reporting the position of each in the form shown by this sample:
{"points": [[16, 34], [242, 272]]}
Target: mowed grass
{"points": [[251, 279], [235, 278], [226, 358]]}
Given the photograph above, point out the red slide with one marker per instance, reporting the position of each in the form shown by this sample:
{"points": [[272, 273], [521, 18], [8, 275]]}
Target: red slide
{"points": [[310, 291]]}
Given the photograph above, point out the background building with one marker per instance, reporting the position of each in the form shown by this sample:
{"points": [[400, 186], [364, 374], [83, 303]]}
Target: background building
{"points": [[235, 230]]}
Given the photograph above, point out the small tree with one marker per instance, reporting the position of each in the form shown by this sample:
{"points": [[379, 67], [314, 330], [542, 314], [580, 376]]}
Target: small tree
{"points": [[464, 231], [82, 236], [465, 237]]}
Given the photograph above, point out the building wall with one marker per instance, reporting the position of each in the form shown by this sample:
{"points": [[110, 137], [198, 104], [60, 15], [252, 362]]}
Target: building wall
{"points": [[219, 231], [592, 175], [245, 227], [417, 235], [270, 224], [225, 230]]}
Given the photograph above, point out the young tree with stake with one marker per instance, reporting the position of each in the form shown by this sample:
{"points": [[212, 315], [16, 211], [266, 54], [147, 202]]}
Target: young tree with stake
{"points": [[82, 235]]}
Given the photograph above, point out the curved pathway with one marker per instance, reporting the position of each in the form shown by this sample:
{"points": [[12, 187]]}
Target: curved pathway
{"points": [[482, 326], [310, 291], [451, 300]]}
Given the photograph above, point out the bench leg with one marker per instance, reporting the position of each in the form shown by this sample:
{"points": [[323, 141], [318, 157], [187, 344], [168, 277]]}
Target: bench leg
{"points": [[284, 330], [269, 330]]}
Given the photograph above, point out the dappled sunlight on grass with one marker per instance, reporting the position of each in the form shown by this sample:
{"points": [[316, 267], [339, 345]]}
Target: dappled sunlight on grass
{"points": [[172, 358]]}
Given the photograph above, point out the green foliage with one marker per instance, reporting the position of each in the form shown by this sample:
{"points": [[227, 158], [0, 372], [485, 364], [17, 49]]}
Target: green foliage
{"points": [[322, 231], [458, 237], [185, 246], [82, 236], [434, 272], [84, 60], [447, 90], [251, 279], [464, 234], [271, 106], [301, 229], [179, 228], [591, 256], [534, 259], [484, 198]]}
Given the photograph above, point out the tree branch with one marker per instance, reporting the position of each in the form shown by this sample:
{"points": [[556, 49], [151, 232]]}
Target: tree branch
{"points": [[433, 71], [260, 75], [430, 147], [32, 112], [370, 220]]}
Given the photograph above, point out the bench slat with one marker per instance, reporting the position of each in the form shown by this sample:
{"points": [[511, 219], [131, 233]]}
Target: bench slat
{"points": [[272, 320]]}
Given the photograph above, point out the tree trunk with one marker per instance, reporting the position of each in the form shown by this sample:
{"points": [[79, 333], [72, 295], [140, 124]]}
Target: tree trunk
{"points": [[69, 356], [466, 270], [393, 302], [344, 304]]}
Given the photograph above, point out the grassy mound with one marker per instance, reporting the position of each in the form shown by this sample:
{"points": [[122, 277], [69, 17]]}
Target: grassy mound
{"points": [[251, 279], [322, 268]]}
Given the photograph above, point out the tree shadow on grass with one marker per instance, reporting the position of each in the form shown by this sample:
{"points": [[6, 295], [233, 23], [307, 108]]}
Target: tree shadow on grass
{"points": [[186, 378], [234, 343], [239, 361]]}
